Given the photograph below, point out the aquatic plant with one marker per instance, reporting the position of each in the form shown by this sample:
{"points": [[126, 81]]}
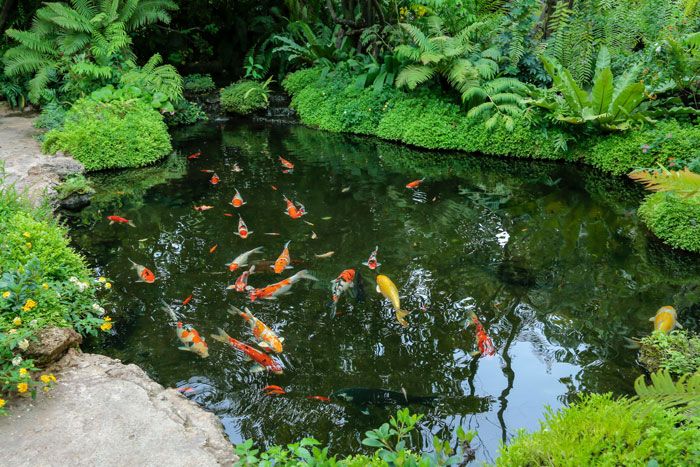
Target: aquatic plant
{"points": [[246, 97], [677, 352]]}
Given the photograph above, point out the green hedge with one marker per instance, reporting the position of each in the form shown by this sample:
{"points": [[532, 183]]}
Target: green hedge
{"points": [[674, 220], [244, 97], [114, 134]]}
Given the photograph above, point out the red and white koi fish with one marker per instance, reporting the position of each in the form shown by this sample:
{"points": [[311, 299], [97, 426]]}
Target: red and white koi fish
{"points": [[483, 340], [209, 171], [237, 200], [214, 179], [242, 259], [415, 183], [320, 398], [191, 340], [263, 361], [267, 337], [241, 284], [145, 275], [195, 155], [286, 163], [272, 291], [242, 228], [372, 261], [282, 262], [236, 168], [292, 211], [342, 283], [119, 220]]}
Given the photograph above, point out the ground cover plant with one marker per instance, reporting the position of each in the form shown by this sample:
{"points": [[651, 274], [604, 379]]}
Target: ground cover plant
{"points": [[245, 97]]}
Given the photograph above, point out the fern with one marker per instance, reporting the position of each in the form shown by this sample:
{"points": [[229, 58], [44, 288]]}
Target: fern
{"points": [[684, 395], [684, 183]]}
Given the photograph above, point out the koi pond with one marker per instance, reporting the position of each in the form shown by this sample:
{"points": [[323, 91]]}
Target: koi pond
{"points": [[551, 257]]}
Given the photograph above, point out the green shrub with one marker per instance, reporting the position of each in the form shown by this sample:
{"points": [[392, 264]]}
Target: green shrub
{"points": [[317, 107], [113, 134], [673, 219], [52, 117], [302, 79], [676, 352], [74, 184], [245, 97], [198, 84], [185, 113], [599, 430]]}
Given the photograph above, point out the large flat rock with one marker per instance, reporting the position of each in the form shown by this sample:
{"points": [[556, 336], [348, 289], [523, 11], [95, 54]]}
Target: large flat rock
{"points": [[105, 413]]}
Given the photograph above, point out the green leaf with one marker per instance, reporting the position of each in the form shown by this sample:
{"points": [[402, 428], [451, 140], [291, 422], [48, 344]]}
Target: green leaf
{"points": [[602, 91], [373, 442]]}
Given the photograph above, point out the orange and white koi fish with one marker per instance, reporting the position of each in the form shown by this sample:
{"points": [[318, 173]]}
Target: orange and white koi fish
{"points": [[320, 398], [191, 340], [237, 200], [282, 262], [209, 171], [145, 275], [415, 183], [267, 337], [242, 259], [342, 283], [372, 261], [214, 179], [292, 210], [195, 155], [236, 168], [263, 361], [286, 163], [482, 339], [272, 291], [119, 220], [203, 208], [241, 284], [242, 228]]}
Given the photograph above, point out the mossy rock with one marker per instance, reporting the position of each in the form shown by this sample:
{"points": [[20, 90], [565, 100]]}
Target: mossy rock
{"points": [[677, 352], [674, 220]]}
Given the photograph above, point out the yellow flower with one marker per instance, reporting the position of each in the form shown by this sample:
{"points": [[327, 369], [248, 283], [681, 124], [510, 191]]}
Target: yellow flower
{"points": [[108, 285], [53, 378], [30, 304], [6, 294], [17, 321], [106, 326], [45, 378], [101, 279], [29, 245], [22, 371], [26, 234], [2, 402], [107, 318], [45, 285], [22, 387], [25, 309]]}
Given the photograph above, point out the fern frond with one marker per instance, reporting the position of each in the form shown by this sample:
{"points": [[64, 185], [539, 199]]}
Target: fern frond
{"points": [[683, 395], [32, 41], [407, 52], [419, 38], [69, 19], [683, 182], [413, 75]]}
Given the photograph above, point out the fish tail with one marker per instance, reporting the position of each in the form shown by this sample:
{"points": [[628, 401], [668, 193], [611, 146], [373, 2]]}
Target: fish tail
{"points": [[235, 311], [221, 336], [170, 311], [400, 314], [304, 274], [632, 343], [473, 316], [332, 307], [252, 268], [131, 261], [131, 224], [257, 250]]}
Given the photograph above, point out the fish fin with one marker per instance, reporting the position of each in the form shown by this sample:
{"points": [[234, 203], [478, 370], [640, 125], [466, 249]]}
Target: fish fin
{"points": [[257, 368], [231, 287], [400, 315], [304, 274], [632, 343], [678, 325], [264, 345], [281, 339], [235, 311], [332, 307], [250, 233], [405, 395], [365, 264], [247, 358], [111, 222], [378, 264], [186, 349], [221, 336], [652, 318], [289, 267], [131, 224], [475, 353], [364, 410], [379, 290]]}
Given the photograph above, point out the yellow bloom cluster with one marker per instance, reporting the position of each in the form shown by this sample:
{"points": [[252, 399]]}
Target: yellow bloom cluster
{"points": [[6, 294], [106, 326], [45, 285], [26, 234], [48, 378], [17, 321], [22, 387], [418, 10], [108, 285], [29, 305], [22, 371], [29, 245], [2, 402]]}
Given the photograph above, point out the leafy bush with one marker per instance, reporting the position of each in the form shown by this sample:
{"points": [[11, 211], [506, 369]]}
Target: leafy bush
{"points": [[295, 82], [198, 84], [677, 352], [52, 117], [74, 184], [673, 219], [113, 134], [245, 97], [600, 430], [185, 113]]}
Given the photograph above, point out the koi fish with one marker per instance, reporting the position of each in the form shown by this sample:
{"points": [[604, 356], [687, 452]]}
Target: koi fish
{"points": [[282, 262], [272, 386], [195, 155], [145, 275], [203, 208], [287, 171], [242, 259], [372, 261], [325, 255], [275, 391], [665, 320], [228, 215], [241, 284], [119, 220], [266, 336], [242, 228], [272, 291], [313, 235], [272, 233], [320, 398], [186, 390], [292, 211], [237, 200], [213, 248], [273, 187], [286, 163], [342, 283], [191, 340], [263, 361], [118, 192], [482, 339], [187, 300], [389, 290], [236, 168], [415, 183], [214, 179], [207, 171]]}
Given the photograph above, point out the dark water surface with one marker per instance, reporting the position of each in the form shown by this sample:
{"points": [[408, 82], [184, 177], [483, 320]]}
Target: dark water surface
{"points": [[551, 257]]}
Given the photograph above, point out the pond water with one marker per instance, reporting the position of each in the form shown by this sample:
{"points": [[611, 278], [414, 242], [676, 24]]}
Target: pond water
{"points": [[551, 257]]}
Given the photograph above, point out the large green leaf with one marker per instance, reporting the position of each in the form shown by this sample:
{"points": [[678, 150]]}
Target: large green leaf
{"points": [[576, 97], [626, 101], [602, 62], [602, 91]]}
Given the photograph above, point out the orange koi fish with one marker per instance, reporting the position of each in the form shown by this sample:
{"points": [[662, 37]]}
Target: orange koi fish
{"points": [[119, 220], [214, 179], [242, 259], [237, 200], [144, 274], [273, 187], [194, 156], [207, 171], [266, 336], [275, 391], [186, 390], [241, 284], [414, 184], [236, 168], [203, 208], [282, 262], [320, 398], [227, 214], [342, 283], [191, 340], [292, 211], [286, 163], [272, 386], [483, 340], [213, 248], [187, 300], [242, 228], [264, 362], [372, 261], [271, 292]]}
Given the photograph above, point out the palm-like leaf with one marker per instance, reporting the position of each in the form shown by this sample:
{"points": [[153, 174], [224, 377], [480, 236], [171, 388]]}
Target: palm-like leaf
{"points": [[413, 75], [683, 395], [683, 182]]}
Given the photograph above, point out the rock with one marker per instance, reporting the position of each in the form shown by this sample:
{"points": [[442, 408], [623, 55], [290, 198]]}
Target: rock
{"points": [[52, 343], [105, 413], [76, 201]]}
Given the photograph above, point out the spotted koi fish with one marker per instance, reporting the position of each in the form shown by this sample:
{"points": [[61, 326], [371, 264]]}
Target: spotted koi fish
{"points": [[242, 259], [271, 292], [145, 275], [191, 340], [214, 179], [286, 163], [282, 262], [267, 336], [483, 340], [292, 210], [263, 361], [242, 228], [241, 284], [237, 200], [119, 220], [372, 261], [341, 284]]}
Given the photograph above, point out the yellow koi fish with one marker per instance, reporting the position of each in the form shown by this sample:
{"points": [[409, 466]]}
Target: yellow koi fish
{"points": [[267, 336], [389, 290], [191, 340], [665, 320]]}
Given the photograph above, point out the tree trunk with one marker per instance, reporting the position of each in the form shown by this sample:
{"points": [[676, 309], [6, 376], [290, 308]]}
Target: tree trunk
{"points": [[7, 5]]}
